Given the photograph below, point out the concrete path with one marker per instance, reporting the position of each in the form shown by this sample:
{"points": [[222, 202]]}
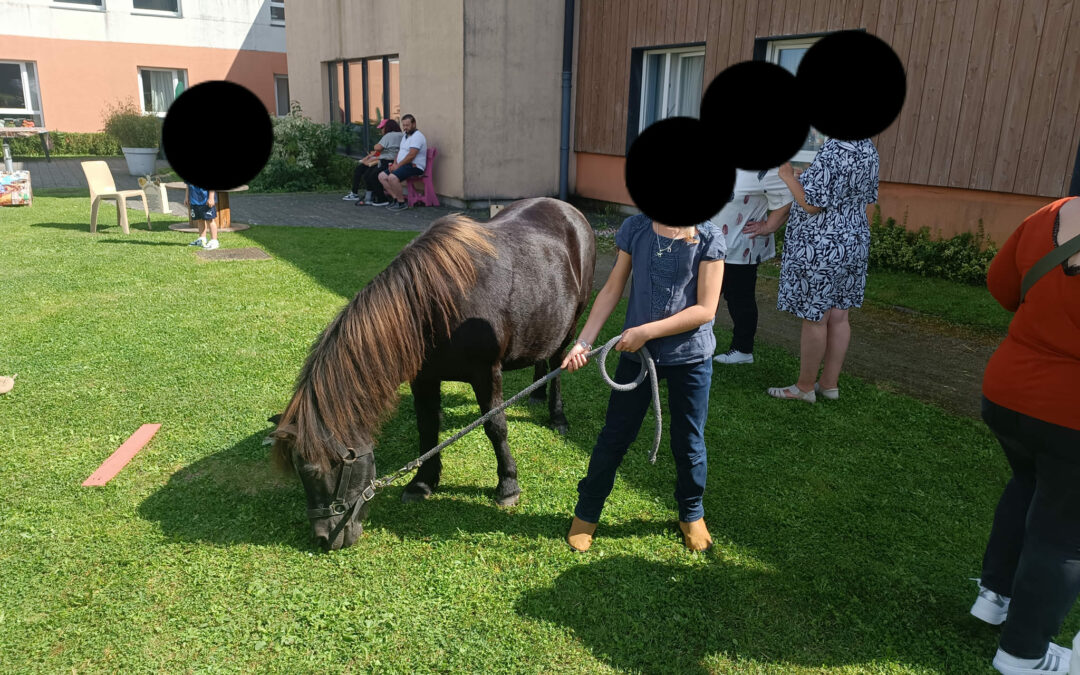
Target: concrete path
{"points": [[67, 173]]}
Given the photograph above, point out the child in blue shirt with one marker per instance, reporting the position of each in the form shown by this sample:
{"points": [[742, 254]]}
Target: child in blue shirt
{"points": [[202, 209], [675, 275]]}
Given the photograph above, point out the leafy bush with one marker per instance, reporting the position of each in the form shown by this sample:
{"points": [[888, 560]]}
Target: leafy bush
{"points": [[964, 257], [304, 156], [131, 128], [68, 143]]}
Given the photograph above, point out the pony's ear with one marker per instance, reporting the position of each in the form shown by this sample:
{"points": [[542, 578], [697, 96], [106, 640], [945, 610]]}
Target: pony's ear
{"points": [[274, 419], [285, 433]]}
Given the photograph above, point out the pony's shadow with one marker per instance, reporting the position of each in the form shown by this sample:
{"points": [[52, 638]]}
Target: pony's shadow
{"points": [[232, 497]]}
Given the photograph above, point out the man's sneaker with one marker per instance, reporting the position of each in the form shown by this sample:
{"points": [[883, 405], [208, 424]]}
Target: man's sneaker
{"points": [[351, 197], [1056, 660], [385, 202], [211, 245], [397, 206], [990, 606], [201, 241], [734, 356]]}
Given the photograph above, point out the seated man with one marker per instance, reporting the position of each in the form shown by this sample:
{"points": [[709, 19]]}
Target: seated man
{"points": [[411, 161]]}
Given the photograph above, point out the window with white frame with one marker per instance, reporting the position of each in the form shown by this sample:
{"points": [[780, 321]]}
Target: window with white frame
{"points": [[20, 96], [80, 4], [164, 7], [788, 54], [159, 87], [671, 84], [281, 94], [277, 12]]}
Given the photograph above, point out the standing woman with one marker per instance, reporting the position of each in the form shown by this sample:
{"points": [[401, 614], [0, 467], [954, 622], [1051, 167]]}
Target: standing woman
{"points": [[823, 268], [675, 275], [1031, 569]]}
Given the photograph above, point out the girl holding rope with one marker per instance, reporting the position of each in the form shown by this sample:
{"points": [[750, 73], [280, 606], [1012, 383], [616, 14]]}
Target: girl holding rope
{"points": [[675, 275]]}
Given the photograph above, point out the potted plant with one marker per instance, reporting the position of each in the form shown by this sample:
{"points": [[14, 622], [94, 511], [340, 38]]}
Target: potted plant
{"points": [[138, 135]]}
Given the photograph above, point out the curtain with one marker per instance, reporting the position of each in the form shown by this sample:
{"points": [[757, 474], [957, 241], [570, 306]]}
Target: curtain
{"points": [[691, 75], [158, 90]]}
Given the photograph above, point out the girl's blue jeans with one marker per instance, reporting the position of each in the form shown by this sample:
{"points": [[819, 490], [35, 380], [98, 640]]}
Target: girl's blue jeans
{"points": [[688, 402]]}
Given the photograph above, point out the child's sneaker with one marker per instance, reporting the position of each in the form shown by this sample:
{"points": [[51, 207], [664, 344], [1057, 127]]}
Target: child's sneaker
{"points": [[211, 245], [351, 197], [734, 356], [990, 607], [1056, 660], [201, 241]]}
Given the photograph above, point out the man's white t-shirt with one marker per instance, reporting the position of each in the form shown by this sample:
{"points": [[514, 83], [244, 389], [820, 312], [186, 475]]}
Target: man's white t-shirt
{"points": [[756, 192], [415, 140]]}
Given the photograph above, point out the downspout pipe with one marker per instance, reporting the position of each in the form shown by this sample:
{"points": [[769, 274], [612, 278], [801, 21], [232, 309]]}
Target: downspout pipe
{"points": [[567, 65]]}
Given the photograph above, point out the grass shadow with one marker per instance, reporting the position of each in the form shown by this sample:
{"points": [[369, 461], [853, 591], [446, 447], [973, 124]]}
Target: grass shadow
{"points": [[231, 497], [105, 228]]}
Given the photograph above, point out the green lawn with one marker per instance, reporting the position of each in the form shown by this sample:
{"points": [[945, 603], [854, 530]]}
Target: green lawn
{"points": [[846, 532]]}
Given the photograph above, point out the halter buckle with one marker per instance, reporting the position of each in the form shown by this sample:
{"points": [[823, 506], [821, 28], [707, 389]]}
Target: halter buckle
{"points": [[338, 508]]}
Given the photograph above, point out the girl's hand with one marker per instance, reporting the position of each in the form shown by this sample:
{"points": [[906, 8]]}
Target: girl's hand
{"points": [[575, 359], [786, 172], [633, 339]]}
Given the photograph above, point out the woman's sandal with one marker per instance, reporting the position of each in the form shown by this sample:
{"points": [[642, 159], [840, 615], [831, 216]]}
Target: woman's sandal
{"points": [[792, 392], [831, 394]]}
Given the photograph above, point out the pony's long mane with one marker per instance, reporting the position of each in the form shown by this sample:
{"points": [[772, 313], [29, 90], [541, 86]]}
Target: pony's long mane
{"points": [[349, 383]]}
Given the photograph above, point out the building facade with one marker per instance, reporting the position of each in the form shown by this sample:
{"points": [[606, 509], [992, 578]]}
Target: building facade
{"points": [[62, 63]]}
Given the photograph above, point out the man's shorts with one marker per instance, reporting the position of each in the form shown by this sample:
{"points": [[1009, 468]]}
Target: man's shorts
{"points": [[406, 172], [203, 212]]}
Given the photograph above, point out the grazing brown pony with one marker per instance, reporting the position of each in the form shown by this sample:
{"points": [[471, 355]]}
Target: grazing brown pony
{"points": [[463, 302]]}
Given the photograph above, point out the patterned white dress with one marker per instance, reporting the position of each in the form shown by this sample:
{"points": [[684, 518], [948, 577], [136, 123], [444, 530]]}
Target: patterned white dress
{"points": [[825, 254]]}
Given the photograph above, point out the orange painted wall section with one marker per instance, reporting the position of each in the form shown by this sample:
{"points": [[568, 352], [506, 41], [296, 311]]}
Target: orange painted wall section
{"points": [[946, 211], [79, 78]]}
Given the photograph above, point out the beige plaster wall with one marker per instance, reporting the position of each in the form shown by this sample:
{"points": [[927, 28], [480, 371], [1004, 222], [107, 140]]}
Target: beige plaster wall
{"points": [[512, 98]]}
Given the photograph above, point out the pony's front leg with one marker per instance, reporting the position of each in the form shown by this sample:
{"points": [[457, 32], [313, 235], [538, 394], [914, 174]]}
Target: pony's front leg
{"points": [[427, 402], [489, 395]]}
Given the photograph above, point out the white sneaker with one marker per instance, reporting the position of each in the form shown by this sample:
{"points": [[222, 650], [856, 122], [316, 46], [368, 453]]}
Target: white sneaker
{"points": [[211, 245], [351, 197], [732, 356], [201, 241], [1056, 660], [990, 607]]}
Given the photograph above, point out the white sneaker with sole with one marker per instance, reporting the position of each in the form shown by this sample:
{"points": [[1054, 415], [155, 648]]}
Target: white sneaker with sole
{"points": [[1056, 660], [211, 245], [733, 356], [351, 197], [198, 242], [990, 607]]}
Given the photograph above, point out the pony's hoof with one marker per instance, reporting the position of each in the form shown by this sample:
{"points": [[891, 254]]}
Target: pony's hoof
{"points": [[509, 500], [409, 496], [561, 427]]}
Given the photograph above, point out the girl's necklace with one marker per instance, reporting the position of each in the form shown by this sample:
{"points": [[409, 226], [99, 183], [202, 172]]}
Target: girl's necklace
{"points": [[661, 251]]}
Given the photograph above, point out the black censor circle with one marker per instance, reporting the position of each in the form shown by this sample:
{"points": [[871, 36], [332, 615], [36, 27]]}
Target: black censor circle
{"points": [[217, 135]]}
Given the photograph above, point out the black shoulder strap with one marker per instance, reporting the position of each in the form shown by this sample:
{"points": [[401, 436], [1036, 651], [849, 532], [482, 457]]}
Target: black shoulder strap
{"points": [[1049, 262]]}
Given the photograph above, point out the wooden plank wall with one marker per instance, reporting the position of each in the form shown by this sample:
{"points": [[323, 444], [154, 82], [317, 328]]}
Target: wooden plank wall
{"points": [[992, 100]]}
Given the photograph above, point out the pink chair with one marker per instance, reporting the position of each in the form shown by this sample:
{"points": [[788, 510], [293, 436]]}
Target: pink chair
{"points": [[428, 197]]}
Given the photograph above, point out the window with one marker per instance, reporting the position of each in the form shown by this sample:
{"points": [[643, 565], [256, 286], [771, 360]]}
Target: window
{"points": [[169, 7], [20, 97], [671, 84], [281, 94], [277, 12], [788, 54], [159, 88], [81, 4]]}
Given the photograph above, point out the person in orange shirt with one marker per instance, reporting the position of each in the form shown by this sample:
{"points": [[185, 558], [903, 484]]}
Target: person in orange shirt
{"points": [[1031, 401]]}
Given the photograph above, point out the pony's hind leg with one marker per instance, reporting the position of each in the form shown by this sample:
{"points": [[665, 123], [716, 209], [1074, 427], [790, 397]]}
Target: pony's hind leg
{"points": [[489, 395], [539, 395], [427, 402], [558, 419]]}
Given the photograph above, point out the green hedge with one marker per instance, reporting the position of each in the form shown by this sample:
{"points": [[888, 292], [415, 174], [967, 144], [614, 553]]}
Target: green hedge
{"points": [[304, 156], [71, 143], [965, 257]]}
